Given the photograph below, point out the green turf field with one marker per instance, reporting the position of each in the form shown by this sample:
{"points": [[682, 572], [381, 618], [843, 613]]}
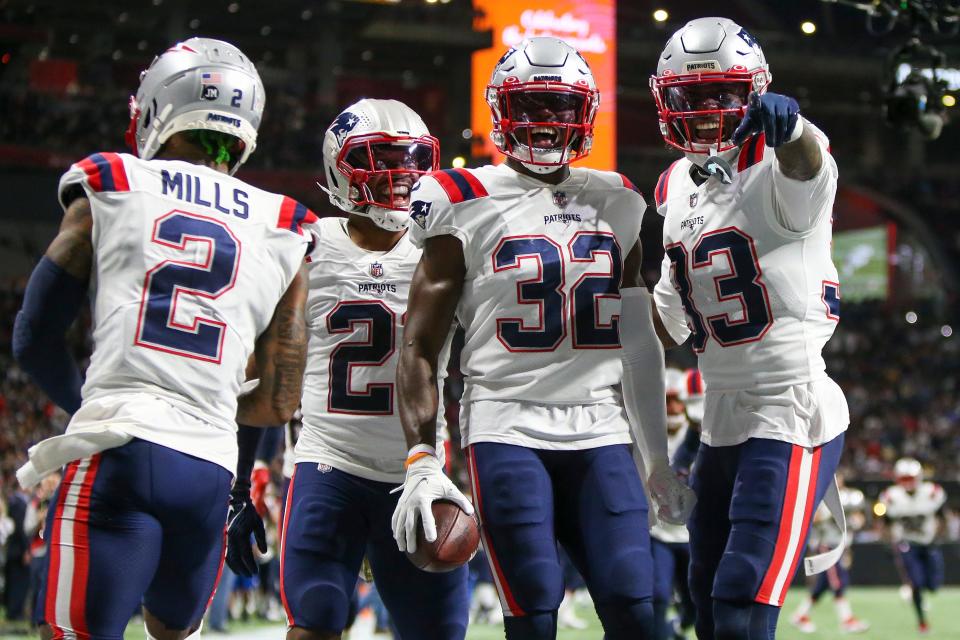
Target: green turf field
{"points": [[890, 618]]}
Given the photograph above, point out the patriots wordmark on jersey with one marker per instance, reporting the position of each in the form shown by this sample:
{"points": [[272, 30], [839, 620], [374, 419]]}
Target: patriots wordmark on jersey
{"points": [[356, 309]]}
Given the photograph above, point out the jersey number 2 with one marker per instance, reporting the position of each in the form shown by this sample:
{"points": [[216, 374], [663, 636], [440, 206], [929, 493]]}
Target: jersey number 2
{"points": [[211, 255], [547, 291], [372, 351]]}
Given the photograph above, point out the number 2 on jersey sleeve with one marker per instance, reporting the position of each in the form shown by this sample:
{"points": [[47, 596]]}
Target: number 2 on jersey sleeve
{"points": [[209, 277], [372, 351], [742, 282], [547, 291]]}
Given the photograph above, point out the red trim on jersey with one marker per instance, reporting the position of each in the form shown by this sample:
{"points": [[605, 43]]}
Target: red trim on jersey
{"points": [[479, 191], [294, 215], [694, 382], [499, 578], [627, 183], [751, 152], [663, 182], [81, 551], [283, 548], [118, 171], [449, 186]]}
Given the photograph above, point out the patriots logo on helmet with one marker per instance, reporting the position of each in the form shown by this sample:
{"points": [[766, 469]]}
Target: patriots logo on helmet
{"points": [[376, 270], [343, 125], [749, 39], [419, 210]]}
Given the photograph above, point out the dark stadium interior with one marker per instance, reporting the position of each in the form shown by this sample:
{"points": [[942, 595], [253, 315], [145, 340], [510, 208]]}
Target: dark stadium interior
{"points": [[68, 69]]}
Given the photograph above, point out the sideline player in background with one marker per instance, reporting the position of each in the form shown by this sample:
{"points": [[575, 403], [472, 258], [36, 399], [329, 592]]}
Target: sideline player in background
{"points": [[912, 507], [748, 273], [533, 258], [670, 543], [825, 535], [351, 450], [191, 272]]}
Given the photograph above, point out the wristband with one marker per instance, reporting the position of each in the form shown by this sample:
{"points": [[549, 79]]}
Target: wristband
{"points": [[419, 452]]}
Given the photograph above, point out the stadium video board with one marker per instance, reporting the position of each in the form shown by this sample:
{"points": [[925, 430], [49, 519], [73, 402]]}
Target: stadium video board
{"points": [[588, 25], [862, 259]]}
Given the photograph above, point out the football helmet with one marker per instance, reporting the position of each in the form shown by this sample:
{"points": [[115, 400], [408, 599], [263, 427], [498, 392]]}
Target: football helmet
{"points": [[197, 84], [908, 473], [704, 77], [373, 153], [543, 100]]}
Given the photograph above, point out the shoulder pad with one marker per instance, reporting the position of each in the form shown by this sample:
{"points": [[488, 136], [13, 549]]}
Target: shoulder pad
{"points": [[663, 182]]}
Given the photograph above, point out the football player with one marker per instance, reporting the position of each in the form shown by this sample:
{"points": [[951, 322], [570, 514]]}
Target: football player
{"points": [[191, 272], [540, 263], [912, 508], [748, 273], [825, 535], [669, 543], [351, 450]]}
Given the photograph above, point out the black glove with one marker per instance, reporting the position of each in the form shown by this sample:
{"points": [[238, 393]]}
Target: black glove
{"points": [[244, 521]]}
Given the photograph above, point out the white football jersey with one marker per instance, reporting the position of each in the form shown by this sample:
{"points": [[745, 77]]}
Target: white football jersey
{"points": [[913, 514], [541, 297], [760, 299], [356, 309], [189, 265]]}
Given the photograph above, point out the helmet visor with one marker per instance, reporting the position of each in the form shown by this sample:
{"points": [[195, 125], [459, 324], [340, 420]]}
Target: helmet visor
{"points": [[706, 112], [383, 172], [545, 120]]}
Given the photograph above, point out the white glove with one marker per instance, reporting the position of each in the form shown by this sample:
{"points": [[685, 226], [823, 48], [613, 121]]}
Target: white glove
{"points": [[674, 499], [424, 484]]}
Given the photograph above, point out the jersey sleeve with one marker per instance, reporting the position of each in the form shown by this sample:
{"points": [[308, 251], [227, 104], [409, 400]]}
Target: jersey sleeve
{"points": [[294, 216], [432, 213], [662, 189], [938, 496], [669, 305], [97, 173], [801, 205]]}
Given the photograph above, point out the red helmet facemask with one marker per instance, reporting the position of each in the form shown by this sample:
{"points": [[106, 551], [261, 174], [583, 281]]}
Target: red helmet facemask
{"points": [[700, 111], [382, 169], [544, 122]]}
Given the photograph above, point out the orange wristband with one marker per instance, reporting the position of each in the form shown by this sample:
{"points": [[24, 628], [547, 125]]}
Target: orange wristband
{"points": [[415, 457]]}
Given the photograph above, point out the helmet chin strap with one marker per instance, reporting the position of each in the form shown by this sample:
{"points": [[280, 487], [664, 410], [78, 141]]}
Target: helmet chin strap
{"points": [[542, 169]]}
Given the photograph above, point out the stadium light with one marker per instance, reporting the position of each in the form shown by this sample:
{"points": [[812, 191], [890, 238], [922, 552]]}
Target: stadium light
{"points": [[466, 134], [808, 27], [459, 162], [946, 331], [879, 509], [911, 317], [948, 100], [661, 15]]}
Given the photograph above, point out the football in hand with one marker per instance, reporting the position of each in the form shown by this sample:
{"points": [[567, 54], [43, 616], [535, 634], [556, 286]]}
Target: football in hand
{"points": [[458, 536]]}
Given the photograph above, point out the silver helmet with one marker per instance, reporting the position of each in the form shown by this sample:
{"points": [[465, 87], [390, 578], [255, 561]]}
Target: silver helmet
{"points": [[543, 100], [373, 153], [197, 84], [704, 77]]}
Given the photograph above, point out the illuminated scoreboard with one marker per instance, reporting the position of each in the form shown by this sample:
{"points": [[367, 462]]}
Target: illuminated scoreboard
{"points": [[588, 25]]}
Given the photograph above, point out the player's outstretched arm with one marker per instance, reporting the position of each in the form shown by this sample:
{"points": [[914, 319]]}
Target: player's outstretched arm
{"points": [[434, 294], [281, 355], [644, 395], [53, 298], [778, 118]]}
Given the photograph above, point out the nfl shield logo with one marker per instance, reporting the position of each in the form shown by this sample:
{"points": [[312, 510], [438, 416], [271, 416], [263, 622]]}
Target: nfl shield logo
{"points": [[693, 199], [560, 199], [376, 270]]}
